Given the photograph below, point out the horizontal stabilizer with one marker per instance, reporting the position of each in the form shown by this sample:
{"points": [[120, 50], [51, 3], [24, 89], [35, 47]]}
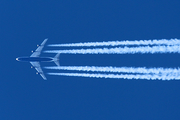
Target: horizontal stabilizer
{"points": [[56, 59]]}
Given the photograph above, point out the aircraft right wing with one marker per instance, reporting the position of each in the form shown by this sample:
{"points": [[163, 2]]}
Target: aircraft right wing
{"points": [[37, 66], [39, 49]]}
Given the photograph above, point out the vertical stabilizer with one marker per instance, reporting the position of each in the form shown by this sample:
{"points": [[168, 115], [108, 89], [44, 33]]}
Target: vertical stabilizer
{"points": [[56, 59]]}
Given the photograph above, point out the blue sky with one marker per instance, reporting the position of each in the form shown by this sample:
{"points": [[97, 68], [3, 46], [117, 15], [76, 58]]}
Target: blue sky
{"points": [[25, 95]]}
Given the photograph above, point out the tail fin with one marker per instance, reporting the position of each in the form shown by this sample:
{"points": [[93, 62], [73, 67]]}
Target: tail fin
{"points": [[56, 59]]}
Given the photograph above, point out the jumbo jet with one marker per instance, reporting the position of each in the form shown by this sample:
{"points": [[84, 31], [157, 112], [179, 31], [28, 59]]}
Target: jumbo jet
{"points": [[34, 59]]}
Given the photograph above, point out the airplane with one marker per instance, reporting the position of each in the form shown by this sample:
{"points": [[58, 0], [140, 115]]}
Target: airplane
{"points": [[34, 59]]}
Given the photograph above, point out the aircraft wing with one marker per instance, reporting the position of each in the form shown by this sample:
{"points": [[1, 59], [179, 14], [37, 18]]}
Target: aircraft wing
{"points": [[39, 49], [37, 66]]}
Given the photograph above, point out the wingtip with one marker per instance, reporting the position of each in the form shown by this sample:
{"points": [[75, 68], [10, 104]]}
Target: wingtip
{"points": [[44, 78]]}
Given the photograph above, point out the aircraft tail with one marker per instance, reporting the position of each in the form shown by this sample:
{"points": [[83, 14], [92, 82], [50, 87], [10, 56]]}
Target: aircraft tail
{"points": [[56, 59]]}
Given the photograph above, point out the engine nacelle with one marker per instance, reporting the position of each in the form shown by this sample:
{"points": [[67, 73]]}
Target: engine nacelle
{"points": [[32, 51], [37, 73], [37, 45], [32, 67]]}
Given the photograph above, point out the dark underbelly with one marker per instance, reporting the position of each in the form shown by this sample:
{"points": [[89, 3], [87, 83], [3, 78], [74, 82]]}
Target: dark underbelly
{"points": [[34, 59]]}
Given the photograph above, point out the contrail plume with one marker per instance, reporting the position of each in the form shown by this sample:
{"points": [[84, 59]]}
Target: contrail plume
{"points": [[121, 50], [121, 76], [116, 43], [140, 70]]}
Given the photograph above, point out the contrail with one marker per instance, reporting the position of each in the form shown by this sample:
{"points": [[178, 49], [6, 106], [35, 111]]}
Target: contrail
{"points": [[116, 43], [121, 76], [140, 70], [121, 50]]}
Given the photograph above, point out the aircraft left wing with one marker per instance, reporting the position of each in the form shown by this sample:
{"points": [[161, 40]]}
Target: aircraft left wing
{"points": [[37, 66], [37, 52]]}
